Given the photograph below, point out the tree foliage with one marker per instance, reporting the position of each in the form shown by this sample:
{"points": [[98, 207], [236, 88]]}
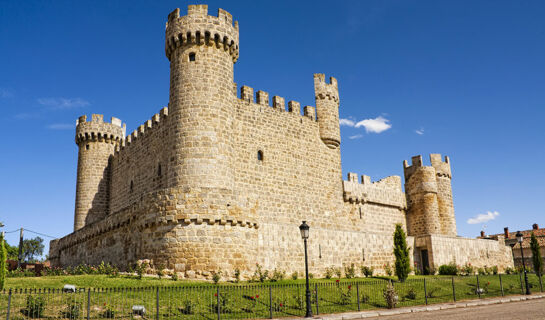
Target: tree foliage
{"points": [[33, 249], [401, 252], [536, 255], [3, 262]]}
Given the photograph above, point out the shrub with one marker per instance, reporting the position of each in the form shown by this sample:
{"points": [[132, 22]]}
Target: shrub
{"points": [[311, 275], [432, 292], [411, 294], [141, 269], [367, 271], [536, 255], [278, 275], [495, 270], [345, 297], [73, 309], [350, 271], [174, 276], [448, 269], [294, 275], [237, 275], [401, 252], [481, 271], [388, 269], [216, 276], [35, 306], [390, 296], [509, 270], [260, 274], [328, 273], [468, 269], [188, 307], [108, 313]]}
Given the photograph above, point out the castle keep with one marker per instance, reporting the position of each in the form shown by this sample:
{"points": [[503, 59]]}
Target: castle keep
{"points": [[221, 180]]}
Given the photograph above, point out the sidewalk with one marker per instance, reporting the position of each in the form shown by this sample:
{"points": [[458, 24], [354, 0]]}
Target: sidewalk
{"points": [[434, 307]]}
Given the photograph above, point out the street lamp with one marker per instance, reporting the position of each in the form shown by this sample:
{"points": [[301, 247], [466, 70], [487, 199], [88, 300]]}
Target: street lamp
{"points": [[304, 228], [520, 239]]}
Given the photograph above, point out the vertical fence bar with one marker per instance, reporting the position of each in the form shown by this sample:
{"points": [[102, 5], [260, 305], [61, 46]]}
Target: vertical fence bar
{"points": [[501, 285], [9, 304], [219, 306], [453, 290], [157, 303], [478, 287], [358, 293], [270, 303], [425, 291], [88, 303], [317, 308]]}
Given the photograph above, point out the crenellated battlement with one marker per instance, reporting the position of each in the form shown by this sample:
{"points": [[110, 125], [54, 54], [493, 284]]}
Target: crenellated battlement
{"points": [[198, 28], [278, 103], [98, 130], [324, 90], [442, 168], [384, 191], [144, 129]]}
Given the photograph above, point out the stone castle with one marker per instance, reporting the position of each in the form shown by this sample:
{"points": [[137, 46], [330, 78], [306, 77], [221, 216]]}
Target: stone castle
{"points": [[218, 181]]}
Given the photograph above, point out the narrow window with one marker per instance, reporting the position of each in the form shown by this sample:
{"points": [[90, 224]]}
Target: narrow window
{"points": [[159, 170], [360, 212], [132, 185], [260, 155], [192, 56], [87, 147]]}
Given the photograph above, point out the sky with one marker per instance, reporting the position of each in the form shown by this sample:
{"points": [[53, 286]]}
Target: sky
{"points": [[461, 78]]}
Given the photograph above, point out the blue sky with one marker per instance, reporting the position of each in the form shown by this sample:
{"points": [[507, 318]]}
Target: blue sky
{"points": [[469, 76]]}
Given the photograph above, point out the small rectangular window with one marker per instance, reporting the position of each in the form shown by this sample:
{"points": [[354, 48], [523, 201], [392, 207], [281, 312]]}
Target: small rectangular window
{"points": [[192, 56]]}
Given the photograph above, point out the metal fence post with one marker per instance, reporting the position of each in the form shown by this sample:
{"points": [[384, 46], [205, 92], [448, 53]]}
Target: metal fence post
{"points": [[317, 308], [88, 303], [501, 285], [219, 306], [453, 290], [425, 291], [9, 304], [270, 303], [478, 287], [358, 293], [157, 303], [540, 283]]}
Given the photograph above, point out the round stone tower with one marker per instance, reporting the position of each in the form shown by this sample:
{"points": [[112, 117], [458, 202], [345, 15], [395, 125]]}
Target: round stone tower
{"points": [[327, 109], [444, 194], [421, 192], [202, 51], [97, 141]]}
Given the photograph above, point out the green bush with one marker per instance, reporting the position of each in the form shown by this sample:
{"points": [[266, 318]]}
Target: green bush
{"points": [[367, 271], [216, 276], [73, 309], [350, 271], [237, 275], [401, 253], [35, 306], [278, 275], [328, 273], [448, 269], [294, 275]]}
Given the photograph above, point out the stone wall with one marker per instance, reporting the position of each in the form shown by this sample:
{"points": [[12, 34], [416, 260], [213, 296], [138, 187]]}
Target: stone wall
{"points": [[479, 252]]}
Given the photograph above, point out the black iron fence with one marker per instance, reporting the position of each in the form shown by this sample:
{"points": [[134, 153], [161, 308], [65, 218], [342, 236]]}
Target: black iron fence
{"points": [[253, 300]]}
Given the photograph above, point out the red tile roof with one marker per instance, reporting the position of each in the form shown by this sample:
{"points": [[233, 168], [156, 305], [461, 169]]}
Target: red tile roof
{"points": [[526, 234]]}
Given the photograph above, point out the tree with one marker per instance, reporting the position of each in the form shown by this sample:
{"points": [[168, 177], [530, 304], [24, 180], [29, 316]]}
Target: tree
{"points": [[32, 249], [401, 252], [536, 255], [3, 262], [11, 251]]}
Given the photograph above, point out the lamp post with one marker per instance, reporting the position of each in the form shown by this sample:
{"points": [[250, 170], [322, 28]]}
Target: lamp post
{"points": [[520, 239], [304, 228]]}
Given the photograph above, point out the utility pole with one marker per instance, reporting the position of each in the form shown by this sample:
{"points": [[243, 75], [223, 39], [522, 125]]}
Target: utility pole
{"points": [[20, 256]]}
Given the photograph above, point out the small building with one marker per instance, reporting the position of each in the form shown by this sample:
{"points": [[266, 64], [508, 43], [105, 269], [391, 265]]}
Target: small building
{"points": [[511, 240]]}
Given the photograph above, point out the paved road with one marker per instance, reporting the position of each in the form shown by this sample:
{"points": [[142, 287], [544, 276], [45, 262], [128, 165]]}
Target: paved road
{"points": [[524, 310]]}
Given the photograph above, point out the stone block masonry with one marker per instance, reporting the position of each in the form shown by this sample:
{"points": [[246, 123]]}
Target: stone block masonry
{"points": [[218, 181]]}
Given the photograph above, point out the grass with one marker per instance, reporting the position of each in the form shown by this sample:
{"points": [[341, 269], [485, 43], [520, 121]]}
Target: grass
{"points": [[199, 300]]}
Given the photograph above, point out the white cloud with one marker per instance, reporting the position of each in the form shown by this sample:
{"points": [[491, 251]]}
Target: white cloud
{"points": [[347, 122], [60, 126], [483, 217], [357, 136], [63, 103], [377, 125], [419, 131]]}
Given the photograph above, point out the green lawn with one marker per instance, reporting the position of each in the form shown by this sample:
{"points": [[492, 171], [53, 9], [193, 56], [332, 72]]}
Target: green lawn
{"points": [[199, 300]]}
